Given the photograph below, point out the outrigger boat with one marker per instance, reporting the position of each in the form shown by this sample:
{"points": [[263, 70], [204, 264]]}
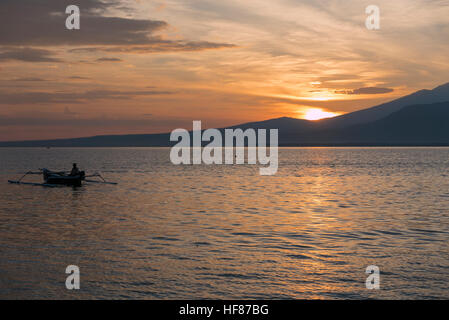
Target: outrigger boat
{"points": [[60, 178]]}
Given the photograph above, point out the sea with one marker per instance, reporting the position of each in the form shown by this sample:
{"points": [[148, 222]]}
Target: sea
{"points": [[170, 231]]}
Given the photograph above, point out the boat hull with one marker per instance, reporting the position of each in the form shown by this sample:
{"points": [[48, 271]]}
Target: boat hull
{"points": [[68, 181], [50, 178]]}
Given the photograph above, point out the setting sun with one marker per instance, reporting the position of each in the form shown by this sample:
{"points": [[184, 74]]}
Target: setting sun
{"points": [[318, 114]]}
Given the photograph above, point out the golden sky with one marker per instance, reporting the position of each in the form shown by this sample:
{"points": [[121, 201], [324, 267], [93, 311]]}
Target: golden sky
{"points": [[151, 66]]}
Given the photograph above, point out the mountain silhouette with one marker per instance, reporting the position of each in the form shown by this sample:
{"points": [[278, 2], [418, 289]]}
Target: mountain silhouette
{"points": [[421, 118], [439, 94], [412, 125], [426, 124]]}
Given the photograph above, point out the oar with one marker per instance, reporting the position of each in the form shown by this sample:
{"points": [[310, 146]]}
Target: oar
{"points": [[99, 175], [29, 172]]}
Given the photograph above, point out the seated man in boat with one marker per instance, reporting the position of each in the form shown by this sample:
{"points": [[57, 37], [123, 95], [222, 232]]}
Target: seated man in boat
{"points": [[75, 171]]}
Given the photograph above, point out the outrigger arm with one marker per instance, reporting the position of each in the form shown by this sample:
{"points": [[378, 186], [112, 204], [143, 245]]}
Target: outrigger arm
{"points": [[56, 185]]}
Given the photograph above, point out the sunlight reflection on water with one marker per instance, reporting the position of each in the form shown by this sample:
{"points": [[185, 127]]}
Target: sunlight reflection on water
{"points": [[225, 232]]}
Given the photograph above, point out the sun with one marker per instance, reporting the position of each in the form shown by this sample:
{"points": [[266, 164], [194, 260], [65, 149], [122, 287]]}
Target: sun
{"points": [[318, 114]]}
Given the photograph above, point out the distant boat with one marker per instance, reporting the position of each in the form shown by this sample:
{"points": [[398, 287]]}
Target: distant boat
{"points": [[54, 179]]}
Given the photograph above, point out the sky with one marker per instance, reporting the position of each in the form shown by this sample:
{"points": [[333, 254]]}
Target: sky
{"points": [[148, 66]]}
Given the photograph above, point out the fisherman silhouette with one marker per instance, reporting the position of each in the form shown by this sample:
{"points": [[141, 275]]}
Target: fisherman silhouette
{"points": [[75, 171]]}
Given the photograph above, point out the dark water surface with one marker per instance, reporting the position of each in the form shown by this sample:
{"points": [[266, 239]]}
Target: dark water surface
{"points": [[225, 232]]}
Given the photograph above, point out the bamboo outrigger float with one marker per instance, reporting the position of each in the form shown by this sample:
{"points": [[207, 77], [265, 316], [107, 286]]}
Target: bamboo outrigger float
{"points": [[60, 178]]}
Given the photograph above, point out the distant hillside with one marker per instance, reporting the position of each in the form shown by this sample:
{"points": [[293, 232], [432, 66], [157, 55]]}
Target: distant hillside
{"points": [[418, 124], [392, 123], [412, 125], [131, 140], [439, 94]]}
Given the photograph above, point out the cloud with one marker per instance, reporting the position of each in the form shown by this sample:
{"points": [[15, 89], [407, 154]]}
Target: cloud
{"points": [[30, 79], [365, 90], [44, 25], [103, 122], [72, 97], [27, 23], [109, 60], [78, 78], [157, 46], [27, 55], [69, 112]]}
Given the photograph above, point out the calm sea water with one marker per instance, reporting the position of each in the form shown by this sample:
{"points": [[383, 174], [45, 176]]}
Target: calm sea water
{"points": [[225, 232]]}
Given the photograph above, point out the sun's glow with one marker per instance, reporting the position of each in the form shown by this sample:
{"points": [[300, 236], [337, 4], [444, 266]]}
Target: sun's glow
{"points": [[318, 114]]}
